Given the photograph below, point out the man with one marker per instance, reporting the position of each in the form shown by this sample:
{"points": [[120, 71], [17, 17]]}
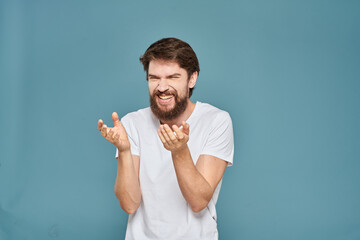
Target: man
{"points": [[172, 155]]}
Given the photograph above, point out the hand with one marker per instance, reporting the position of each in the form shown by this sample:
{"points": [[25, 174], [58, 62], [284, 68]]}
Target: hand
{"points": [[116, 135], [174, 142]]}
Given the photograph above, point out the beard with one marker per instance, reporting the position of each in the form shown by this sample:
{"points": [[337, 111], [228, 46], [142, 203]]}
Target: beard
{"points": [[167, 115]]}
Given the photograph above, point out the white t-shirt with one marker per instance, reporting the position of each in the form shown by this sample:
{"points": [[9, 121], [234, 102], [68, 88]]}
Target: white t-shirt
{"points": [[163, 212]]}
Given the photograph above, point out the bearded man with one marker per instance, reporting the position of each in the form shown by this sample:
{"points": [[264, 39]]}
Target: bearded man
{"points": [[173, 154]]}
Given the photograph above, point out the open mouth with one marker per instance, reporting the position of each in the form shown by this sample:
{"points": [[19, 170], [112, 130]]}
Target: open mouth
{"points": [[165, 97]]}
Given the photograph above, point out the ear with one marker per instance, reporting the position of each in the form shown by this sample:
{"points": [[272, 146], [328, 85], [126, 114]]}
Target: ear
{"points": [[193, 79]]}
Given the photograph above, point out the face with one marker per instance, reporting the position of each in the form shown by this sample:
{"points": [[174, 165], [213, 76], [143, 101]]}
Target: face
{"points": [[168, 88]]}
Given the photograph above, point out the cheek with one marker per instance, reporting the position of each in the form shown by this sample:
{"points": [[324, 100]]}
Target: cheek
{"points": [[151, 87], [184, 89]]}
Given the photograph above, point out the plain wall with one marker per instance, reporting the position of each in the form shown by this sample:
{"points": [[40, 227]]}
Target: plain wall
{"points": [[288, 72]]}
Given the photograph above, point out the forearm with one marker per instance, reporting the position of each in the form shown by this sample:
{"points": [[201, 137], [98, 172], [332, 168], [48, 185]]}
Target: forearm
{"points": [[194, 187], [127, 186]]}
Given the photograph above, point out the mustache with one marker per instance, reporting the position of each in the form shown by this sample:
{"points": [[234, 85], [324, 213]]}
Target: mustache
{"points": [[167, 92]]}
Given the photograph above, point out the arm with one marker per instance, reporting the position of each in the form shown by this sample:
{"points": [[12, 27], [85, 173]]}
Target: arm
{"points": [[197, 183], [127, 186]]}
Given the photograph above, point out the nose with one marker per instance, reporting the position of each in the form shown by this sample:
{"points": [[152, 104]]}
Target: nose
{"points": [[163, 85]]}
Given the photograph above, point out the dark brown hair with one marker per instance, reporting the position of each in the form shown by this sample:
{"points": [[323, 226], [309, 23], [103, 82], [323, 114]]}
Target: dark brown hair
{"points": [[172, 49]]}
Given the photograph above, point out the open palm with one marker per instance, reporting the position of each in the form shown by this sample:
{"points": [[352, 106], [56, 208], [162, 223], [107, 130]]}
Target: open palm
{"points": [[116, 135]]}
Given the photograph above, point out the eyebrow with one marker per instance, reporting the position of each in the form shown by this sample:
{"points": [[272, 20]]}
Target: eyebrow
{"points": [[174, 75], [151, 75], [169, 76]]}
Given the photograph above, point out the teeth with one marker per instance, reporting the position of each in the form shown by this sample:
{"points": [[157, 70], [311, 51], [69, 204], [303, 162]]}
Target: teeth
{"points": [[165, 97]]}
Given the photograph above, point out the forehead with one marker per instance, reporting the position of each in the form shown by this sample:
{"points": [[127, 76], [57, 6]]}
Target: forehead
{"points": [[163, 67]]}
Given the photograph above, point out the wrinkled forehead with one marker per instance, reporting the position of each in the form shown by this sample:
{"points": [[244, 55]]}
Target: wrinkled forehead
{"points": [[160, 67]]}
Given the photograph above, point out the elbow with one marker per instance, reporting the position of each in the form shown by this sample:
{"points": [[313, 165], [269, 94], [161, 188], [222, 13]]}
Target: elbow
{"points": [[199, 204], [128, 206], [127, 209], [199, 207]]}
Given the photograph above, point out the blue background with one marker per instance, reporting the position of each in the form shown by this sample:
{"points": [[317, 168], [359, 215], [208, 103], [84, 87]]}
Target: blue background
{"points": [[288, 72]]}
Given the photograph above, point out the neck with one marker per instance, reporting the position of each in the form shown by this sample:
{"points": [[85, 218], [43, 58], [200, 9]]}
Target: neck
{"points": [[183, 117]]}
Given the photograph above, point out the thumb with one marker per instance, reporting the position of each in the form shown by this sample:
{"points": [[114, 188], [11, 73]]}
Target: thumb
{"points": [[186, 127], [115, 119]]}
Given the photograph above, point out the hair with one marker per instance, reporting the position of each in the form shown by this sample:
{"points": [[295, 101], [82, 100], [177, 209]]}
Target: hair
{"points": [[172, 49]]}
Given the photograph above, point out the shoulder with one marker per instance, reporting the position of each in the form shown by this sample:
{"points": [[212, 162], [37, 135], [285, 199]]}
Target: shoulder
{"points": [[217, 127], [208, 112], [137, 123], [140, 115], [141, 119]]}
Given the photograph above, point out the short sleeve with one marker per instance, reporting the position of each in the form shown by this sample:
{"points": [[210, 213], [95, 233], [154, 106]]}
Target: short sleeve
{"points": [[220, 141], [132, 135]]}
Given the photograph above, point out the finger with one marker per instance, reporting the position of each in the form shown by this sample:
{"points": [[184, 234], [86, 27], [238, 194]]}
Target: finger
{"points": [[115, 118], [170, 133], [104, 130], [161, 136], [110, 133], [117, 122], [186, 127], [111, 136], [100, 123], [166, 136], [179, 133]]}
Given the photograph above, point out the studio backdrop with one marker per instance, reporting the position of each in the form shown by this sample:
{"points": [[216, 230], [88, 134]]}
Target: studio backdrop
{"points": [[288, 72]]}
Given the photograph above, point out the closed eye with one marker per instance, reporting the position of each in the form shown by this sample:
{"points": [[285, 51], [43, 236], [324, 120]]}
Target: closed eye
{"points": [[153, 77], [174, 76]]}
